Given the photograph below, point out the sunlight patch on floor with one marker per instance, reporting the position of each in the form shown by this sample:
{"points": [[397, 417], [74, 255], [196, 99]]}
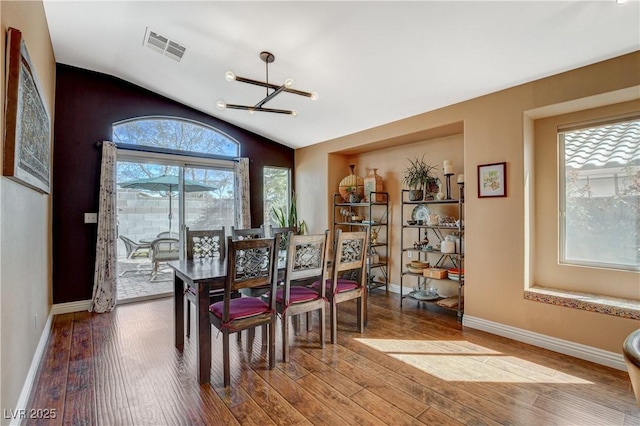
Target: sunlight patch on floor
{"points": [[463, 361]]}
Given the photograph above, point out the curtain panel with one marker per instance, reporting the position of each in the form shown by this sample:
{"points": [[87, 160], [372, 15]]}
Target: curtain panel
{"points": [[243, 207], [105, 273]]}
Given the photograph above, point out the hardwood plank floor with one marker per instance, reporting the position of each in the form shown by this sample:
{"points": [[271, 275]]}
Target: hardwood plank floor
{"points": [[411, 366]]}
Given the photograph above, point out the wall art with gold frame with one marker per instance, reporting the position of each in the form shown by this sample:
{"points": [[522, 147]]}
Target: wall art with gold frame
{"points": [[27, 139]]}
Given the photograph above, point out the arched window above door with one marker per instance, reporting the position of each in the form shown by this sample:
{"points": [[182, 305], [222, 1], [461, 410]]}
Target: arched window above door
{"points": [[176, 135]]}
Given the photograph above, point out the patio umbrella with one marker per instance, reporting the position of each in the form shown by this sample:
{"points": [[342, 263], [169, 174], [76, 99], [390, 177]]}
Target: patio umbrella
{"points": [[167, 183]]}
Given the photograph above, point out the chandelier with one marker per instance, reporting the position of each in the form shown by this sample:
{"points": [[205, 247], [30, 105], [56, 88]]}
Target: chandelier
{"points": [[267, 58]]}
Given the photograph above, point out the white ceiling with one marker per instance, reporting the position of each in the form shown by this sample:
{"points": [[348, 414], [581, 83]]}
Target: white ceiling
{"points": [[371, 62]]}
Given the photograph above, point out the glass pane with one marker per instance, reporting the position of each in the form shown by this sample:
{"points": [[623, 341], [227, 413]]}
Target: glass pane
{"points": [[209, 198], [175, 134], [602, 196], [277, 188], [147, 200]]}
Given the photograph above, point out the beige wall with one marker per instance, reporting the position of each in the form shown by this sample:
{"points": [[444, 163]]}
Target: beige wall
{"points": [[499, 241], [25, 225]]}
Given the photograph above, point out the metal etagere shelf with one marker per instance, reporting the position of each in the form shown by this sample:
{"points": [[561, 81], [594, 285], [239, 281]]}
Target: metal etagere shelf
{"points": [[376, 222], [432, 255]]}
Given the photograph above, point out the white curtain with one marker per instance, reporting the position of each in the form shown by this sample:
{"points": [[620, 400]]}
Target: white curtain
{"points": [[105, 274], [243, 212]]}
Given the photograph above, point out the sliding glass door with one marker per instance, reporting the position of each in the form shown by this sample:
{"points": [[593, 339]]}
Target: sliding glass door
{"points": [[160, 196]]}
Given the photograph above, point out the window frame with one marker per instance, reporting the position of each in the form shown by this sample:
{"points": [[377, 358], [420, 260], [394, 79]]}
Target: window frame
{"points": [[562, 192]]}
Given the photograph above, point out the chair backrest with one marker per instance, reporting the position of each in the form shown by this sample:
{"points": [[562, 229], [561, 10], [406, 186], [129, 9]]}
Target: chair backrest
{"points": [[349, 253], [167, 234], [250, 263], [163, 249], [129, 245], [307, 257], [272, 230], [205, 244], [249, 233]]}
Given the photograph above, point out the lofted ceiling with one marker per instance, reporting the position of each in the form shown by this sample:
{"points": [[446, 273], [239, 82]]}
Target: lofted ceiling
{"points": [[372, 62]]}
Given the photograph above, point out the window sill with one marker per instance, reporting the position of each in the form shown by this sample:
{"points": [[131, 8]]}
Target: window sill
{"points": [[624, 308]]}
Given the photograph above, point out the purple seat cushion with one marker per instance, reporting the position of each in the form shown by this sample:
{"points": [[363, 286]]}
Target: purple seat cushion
{"points": [[242, 307], [343, 285], [297, 295]]}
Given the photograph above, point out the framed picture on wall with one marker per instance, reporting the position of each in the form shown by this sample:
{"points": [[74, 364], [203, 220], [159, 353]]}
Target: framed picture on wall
{"points": [[492, 180], [27, 141]]}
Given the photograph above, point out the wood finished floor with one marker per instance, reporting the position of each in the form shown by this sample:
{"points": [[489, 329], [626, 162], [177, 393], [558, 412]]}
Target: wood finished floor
{"points": [[409, 367]]}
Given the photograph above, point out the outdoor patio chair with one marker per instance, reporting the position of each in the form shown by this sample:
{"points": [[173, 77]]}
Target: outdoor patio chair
{"points": [[135, 250], [163, 250]]}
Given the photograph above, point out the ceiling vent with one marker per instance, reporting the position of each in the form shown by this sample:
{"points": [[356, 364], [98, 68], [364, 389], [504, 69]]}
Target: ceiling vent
{"points": [[161, 44]]}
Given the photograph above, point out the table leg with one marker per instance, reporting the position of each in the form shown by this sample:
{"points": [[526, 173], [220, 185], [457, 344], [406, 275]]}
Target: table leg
{"points": [[178, 311], [204, 334]]}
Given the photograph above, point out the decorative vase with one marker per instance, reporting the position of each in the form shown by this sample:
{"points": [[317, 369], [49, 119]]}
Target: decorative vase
{"points": [[373, 183], [416, 194], [351, 184]]}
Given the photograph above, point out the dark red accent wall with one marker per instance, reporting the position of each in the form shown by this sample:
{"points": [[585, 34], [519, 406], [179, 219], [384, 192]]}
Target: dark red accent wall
{"points": [[87, 103]]}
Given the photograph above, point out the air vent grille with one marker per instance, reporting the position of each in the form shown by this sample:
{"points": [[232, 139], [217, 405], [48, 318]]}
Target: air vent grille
{"points": [[163, 45]]}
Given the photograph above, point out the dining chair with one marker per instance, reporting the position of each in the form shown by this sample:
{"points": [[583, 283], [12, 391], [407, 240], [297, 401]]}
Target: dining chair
{"points": [[163, 250], [247, 233], [250, 263], [204, 244], [349, 255], [306, 258]]}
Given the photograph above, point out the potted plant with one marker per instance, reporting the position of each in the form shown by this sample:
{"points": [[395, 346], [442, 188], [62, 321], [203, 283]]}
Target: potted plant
{"points": [[288, 217], [420, 176]]}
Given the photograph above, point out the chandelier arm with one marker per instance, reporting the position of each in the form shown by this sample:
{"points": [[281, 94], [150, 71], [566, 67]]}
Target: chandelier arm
{"points": [[272, 86], [256, 82], [271, 96], [251, 108], [298, 92]]}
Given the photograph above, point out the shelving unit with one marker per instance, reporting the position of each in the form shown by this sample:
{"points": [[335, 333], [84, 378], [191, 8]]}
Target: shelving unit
{"points": [[376, 218], [433, 255]]}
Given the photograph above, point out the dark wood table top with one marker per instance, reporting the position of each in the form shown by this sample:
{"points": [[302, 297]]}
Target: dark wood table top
{"points": [[200, 269]]}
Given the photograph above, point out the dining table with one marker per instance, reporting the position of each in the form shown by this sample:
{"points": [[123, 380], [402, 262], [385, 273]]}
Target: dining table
{"points": [[196, 278]]}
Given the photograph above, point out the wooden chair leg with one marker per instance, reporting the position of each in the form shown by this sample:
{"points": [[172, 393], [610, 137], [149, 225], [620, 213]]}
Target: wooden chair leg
{"points": [[295, 320], [225, 358], [188, 318], [272, 343], [334, 322], [285, 336], [309, 321], [322, 326], [360, 313], [239, 336], [251, 335], [265, 334]]}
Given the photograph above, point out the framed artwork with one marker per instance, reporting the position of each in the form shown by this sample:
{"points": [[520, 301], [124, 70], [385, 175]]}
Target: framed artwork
{"points": [[27, 139], [492, 180]]}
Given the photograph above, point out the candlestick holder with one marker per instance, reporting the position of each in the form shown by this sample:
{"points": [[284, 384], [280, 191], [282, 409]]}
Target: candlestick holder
{"points": [[448, 185], [461, 190]]}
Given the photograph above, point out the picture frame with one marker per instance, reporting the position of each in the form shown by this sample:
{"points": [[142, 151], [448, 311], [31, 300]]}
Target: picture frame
{"points": [[492, 180], [27, 138]]}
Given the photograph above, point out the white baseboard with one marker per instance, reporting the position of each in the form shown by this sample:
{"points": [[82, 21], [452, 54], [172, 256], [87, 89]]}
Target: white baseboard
{"points": [[61, 308], [23, 400], [65, 308], [588, 353]]}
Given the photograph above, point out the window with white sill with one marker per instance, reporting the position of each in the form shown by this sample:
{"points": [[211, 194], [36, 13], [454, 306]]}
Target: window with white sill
{"points": [[600, 195]]}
